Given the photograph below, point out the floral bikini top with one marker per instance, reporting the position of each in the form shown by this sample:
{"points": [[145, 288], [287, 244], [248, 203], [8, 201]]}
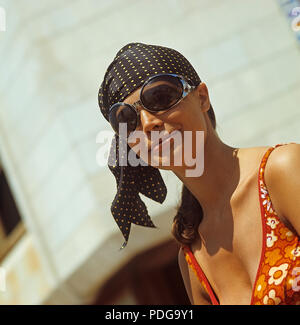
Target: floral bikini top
{"points": [[278, 276]]}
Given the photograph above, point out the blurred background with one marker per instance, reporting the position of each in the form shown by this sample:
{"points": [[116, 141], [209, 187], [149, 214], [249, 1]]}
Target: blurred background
{"points": [[58, 241]]}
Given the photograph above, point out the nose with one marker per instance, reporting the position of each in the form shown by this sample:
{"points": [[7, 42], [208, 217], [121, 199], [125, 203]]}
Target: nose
{"points": [[150, 122]]}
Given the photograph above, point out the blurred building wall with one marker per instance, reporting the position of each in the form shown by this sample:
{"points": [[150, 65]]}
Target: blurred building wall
{"points": [[53, 58]]}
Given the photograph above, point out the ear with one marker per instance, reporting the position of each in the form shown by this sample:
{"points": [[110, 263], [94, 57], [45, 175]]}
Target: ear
{"points": [[203, 96]]}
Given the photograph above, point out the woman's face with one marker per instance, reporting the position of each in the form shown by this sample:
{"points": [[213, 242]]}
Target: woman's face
{"points": [[187, 115]]}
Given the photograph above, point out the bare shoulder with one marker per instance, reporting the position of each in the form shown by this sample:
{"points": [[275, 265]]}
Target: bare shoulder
{"points": [[250, 158], [194, 289], [283, 165]]}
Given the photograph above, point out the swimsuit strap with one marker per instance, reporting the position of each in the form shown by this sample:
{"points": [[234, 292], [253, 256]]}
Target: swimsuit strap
{"points": [[279, 249]]}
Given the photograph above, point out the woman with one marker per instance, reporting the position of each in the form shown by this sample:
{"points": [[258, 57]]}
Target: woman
{"points": [[237, 246]]}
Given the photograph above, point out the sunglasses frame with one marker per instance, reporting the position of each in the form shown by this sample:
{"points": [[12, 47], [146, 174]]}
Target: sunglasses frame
{"points": [[186, 89]]}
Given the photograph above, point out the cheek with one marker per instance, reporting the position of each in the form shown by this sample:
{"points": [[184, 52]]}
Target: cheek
{"points": [[186, 114], [194, 120], [176, 118], [182, 120]]}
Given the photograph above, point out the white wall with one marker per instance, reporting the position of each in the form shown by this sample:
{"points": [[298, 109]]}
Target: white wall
{"points": [[53, 58]]}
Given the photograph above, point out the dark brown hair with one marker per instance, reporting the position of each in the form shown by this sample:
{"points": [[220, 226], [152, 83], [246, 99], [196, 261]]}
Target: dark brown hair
{"points": [[189, 213]]}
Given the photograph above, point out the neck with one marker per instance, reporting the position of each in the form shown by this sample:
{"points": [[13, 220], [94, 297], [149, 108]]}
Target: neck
{"points": [[214, 188]]}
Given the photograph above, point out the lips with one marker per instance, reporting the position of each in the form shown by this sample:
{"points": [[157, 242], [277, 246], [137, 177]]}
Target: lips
{"points": [[161, 140]]}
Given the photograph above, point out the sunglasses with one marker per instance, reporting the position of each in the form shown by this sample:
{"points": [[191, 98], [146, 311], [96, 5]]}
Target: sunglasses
{"points": [[160, 92]]}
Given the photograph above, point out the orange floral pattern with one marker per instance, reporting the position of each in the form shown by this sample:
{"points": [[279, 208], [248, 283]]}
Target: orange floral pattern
{"points": [[280, 261], [278, 275]]}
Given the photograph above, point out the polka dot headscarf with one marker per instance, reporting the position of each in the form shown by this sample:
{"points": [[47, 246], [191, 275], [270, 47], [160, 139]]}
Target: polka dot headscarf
{"points": [[131, 67]]}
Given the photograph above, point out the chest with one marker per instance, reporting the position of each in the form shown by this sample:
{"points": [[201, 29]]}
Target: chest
{"points": [[230, 250]]}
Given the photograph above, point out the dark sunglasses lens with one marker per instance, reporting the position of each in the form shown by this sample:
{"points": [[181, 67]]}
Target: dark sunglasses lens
{"points": [[122, 113], [161, 92]]}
